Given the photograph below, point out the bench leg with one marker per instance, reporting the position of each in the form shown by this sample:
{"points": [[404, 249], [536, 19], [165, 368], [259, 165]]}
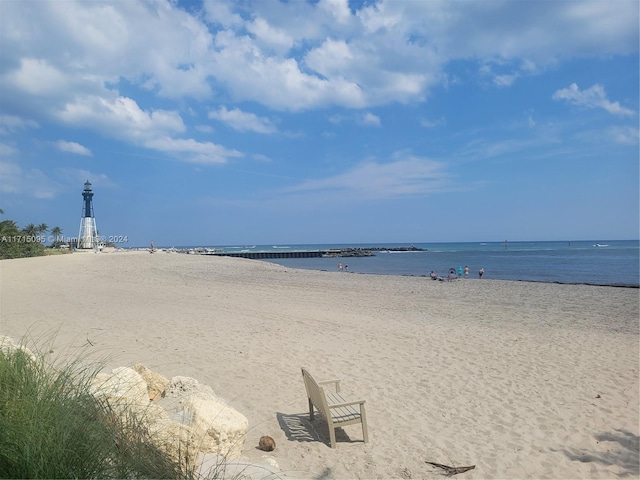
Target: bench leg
{"points": [[332, 435], [363, 419], [310, 410]]}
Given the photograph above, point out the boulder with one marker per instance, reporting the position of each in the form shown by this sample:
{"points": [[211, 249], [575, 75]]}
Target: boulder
{"points": [[156, 383], [220, 428], [123, 383], [184, 386], [176, 440], [188, 421]]}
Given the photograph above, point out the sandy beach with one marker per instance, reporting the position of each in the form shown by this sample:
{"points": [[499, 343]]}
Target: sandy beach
{"points": [[522, 380]]}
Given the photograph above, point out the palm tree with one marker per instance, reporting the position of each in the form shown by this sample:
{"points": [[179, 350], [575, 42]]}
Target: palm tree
{"points": [[31, 230], [8, 228], [56, 232], [42, 228]]}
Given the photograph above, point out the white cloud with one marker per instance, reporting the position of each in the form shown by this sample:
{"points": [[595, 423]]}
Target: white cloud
{"points": [[370, 119], [36, 77], [425, 122], [592, 97], [31, 183], [625, 135], [155, 129], [72, 177], [505, 80], [243, 121], [121, 116], [295, 55], [204, 128], [73, 147], [273, 38], [402, 177], [11, 123], [192, 151], [365, 119], [7, 150], [338, 9]]}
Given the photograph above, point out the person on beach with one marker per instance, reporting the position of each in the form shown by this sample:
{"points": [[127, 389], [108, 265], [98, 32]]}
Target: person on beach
{"points": [[433, 275], [340, 266], [466, 271], [459, 272], [346, 267], [480, 272]]}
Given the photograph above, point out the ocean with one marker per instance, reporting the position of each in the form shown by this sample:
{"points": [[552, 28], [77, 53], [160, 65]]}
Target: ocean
{"points": [[612, 262]]}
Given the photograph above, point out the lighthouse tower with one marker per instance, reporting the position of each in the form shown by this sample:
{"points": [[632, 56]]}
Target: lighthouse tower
{"points": [[88, 234]]}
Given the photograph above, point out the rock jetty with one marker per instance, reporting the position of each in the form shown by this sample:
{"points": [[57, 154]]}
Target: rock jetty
{"points": [[368, 251]]}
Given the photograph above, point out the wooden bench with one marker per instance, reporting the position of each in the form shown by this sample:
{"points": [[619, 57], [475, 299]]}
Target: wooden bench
{"points": [[333, 406]]}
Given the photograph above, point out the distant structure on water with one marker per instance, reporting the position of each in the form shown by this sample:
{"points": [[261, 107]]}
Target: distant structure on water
{"points": [[88, 234]]}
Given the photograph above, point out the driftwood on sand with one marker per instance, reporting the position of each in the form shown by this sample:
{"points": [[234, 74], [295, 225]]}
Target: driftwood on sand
{"points": [[450, 471]]}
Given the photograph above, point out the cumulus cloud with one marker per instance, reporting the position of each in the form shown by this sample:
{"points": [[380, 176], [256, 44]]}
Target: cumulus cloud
{"points": [[73, 147], [121, 116], [296, 55], [593, 97], [243, 121], [154, 129]]}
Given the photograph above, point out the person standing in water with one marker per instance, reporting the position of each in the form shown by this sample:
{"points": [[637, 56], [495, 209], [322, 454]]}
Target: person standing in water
{"points": [[480, 272]]}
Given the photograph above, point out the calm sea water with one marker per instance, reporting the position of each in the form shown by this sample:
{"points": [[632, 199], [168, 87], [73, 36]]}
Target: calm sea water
{"points": [[614, 263]]}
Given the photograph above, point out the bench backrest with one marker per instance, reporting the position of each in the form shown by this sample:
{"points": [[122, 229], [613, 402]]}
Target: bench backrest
{"points": [[315, 392]]}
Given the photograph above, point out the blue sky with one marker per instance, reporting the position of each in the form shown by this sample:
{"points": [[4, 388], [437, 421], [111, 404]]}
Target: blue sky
{"points": [[268, 122]]}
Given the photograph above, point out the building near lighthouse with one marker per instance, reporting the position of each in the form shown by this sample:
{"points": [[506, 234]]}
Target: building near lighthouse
{"points": [[88, 234]]}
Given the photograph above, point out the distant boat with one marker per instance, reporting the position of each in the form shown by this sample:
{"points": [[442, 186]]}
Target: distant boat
{"points": [[276, 246], [600, 245]]}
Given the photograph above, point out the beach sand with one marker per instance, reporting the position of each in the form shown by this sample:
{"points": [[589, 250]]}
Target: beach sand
{"points": [[522, 380]]}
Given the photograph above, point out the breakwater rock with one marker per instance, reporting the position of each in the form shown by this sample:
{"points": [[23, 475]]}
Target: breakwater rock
{"points": [[367, 251]]}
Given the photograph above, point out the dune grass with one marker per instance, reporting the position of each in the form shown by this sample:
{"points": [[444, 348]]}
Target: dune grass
{"points": [[52, 427]]}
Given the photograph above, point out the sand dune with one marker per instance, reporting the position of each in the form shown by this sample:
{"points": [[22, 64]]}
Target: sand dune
{"points": [[523, 380]]}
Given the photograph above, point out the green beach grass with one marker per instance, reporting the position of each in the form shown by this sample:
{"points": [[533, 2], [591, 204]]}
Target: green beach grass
{"points": [[51, 426]]}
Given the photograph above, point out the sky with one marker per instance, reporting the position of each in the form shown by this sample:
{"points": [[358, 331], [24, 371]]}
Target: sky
{"points": [[215, 122]]}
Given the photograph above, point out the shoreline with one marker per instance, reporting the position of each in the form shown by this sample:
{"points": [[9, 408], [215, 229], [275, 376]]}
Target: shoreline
{"points": [[522, 379], [475, 279]]}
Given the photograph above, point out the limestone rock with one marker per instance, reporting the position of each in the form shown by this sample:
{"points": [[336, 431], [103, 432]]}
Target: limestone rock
{"points": [[220, 428], [225, 428], [184, 386], [190, 420], [178, 441], [122, 382], [8, 346], [156, 383]]}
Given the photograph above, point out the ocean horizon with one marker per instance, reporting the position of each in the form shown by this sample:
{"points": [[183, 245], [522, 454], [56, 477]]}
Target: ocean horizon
{"points": [[592, 262]]}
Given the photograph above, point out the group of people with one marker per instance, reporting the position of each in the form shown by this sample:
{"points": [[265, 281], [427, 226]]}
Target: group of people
{"points": [[343, 268], [453, 274]]}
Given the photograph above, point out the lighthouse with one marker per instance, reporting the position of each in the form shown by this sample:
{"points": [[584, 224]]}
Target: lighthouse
{"points": [[88, 234]]}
